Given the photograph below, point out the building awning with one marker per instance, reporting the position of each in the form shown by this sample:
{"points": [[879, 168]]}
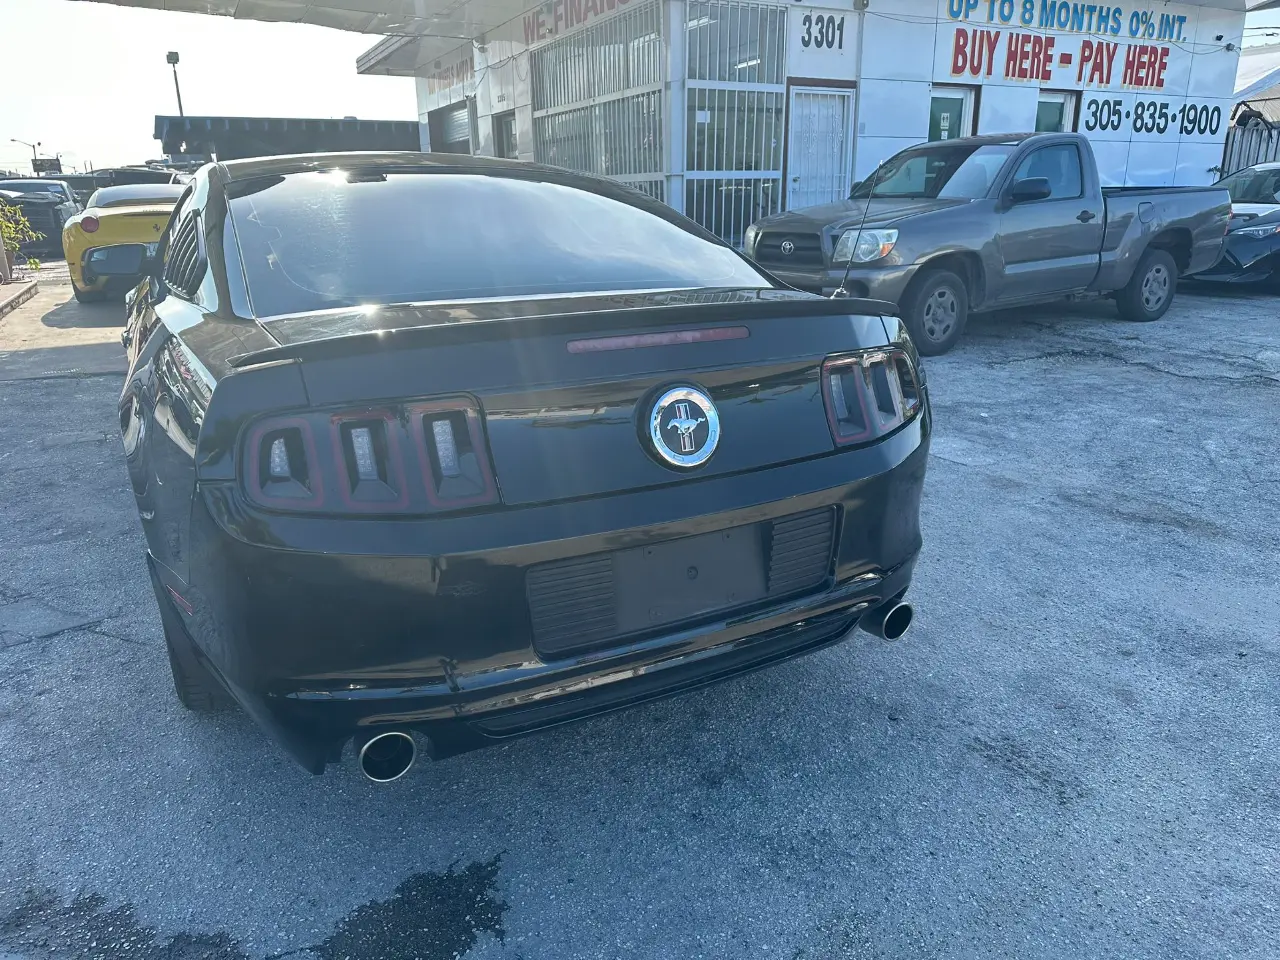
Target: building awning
{"points": [[1259, 72], [419, 32]]}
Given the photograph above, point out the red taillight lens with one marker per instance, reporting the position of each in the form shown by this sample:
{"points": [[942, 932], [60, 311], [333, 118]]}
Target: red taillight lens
{"points": [[89, 224], [870, 394], [281, 464], [452, 454], [418, 458]]}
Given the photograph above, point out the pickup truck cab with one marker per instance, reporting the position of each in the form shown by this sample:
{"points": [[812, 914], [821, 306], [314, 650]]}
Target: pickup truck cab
{"points": [[995, 221]]}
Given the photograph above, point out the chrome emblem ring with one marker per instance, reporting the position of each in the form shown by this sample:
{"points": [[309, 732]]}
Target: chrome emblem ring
{"points": [[684, 427]]}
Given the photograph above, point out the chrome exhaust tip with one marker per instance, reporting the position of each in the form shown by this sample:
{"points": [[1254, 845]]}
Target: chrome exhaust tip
{"points": [[889, 621], [387, 756]]}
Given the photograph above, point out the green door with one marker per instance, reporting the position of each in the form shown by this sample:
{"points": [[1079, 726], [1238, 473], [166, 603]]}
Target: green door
{"points": [[946, 118], [1051, 116]]}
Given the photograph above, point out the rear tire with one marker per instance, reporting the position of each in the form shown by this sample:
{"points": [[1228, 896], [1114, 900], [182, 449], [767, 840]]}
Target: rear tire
{"points": [[198, 690], [1149, 293], [88, 296], [935, 311]]}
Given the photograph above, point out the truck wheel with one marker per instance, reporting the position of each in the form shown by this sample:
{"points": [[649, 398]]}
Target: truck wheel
{"points": [[935, 310], [198, 690], [1149, 292]]}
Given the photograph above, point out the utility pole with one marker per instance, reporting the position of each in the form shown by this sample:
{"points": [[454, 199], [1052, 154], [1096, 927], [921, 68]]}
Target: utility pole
{"points": [[172, 60]]}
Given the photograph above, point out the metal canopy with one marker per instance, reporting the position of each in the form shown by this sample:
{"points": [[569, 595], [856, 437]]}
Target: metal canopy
{"points": [[418, 32]]}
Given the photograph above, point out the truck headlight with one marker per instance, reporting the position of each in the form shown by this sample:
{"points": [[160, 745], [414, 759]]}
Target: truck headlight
{"points": [[1259, 232], [864, 246]]}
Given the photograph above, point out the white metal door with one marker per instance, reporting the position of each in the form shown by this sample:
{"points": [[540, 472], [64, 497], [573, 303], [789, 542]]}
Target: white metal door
{"points": [[819, 146]]}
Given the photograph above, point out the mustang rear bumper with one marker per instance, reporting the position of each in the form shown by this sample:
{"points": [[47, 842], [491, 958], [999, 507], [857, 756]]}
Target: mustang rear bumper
{"points": [[326, 628]]}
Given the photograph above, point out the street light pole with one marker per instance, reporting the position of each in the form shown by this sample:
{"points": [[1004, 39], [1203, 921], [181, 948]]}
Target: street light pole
{"points": [[172, 60], [25, 144]]}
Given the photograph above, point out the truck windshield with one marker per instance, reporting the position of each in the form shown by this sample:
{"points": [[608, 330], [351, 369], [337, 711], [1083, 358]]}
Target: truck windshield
{"points": [[949, 171], [311, 241], [1253, 185]]}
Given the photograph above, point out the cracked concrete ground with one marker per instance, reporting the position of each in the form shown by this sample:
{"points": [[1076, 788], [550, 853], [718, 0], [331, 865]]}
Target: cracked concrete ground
{"points": [[1074, 754]]}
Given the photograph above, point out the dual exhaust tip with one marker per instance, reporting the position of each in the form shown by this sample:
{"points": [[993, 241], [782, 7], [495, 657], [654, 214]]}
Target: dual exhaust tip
{"points": [[889, 621], [388, 756]]}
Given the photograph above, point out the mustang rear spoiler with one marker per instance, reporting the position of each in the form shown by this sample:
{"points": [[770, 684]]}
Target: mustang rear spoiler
{"points": [[580, 322]]}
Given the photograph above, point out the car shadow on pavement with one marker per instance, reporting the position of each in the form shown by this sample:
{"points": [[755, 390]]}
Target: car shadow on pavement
{"points": [[72, 314]]}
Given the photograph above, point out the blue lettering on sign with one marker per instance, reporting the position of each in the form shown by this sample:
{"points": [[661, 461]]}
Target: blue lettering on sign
{"points": [[1098, 18]]}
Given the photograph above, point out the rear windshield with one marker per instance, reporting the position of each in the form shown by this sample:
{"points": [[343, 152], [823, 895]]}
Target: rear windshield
{"points": [[32, 186], [312, 241], [1254, 185], [136, 195], [949, 171]]}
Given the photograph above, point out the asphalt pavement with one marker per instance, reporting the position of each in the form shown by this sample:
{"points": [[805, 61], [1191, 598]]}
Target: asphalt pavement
{"points": [[1073, 754]]}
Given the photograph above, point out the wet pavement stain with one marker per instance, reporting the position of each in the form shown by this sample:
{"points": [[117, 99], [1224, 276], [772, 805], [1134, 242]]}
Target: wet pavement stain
{"points": [[42, 926], [430, 916]]}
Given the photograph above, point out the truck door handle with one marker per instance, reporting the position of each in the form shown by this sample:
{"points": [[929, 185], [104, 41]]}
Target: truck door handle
{"points": [[1084, 216]]}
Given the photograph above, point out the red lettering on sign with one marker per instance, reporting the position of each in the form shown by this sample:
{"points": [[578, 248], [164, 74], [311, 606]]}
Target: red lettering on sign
{"points": [[1046, 59], [1086, 58], [992, 42], [960, 53], [1012, 52], [1110, 51], [1145, 65]]}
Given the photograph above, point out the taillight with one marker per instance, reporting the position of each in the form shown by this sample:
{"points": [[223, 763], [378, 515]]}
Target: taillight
{"points": [[869, 394], [89, 224], [452, 454], [418, 458], [281, 464]]}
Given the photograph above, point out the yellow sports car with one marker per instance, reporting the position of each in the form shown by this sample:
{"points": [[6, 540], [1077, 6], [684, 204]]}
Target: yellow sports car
{"points": [[120, 227]]}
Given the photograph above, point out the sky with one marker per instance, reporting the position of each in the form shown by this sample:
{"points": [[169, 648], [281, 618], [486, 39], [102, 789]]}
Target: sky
{"points": [[87, 79]]}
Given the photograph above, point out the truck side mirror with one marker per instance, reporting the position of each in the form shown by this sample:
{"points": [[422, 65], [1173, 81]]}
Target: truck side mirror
{"points": [[854, 189], [1030, 189]]}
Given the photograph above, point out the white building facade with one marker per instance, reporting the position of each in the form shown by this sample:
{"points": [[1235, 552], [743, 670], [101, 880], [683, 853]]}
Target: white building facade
{"points": [[729, 110]]}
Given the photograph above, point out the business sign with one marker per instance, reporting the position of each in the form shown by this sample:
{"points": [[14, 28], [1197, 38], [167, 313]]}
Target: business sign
{"points": [[822, 42], [558, 17], [1141, 73], [46, 165], [445, 75]]}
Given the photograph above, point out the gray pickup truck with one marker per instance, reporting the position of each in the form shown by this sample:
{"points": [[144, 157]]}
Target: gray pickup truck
{"points": [[983, 222]]}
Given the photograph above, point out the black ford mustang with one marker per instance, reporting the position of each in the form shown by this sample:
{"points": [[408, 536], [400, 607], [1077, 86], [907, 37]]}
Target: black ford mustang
{"points": [[431, 451]]}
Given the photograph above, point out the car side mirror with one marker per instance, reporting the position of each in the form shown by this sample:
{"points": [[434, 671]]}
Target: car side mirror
{"points": [[1030, 189]]}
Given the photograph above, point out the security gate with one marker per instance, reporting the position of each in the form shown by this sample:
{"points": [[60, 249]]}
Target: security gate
{"points": [[819, 146], [735, 99]]}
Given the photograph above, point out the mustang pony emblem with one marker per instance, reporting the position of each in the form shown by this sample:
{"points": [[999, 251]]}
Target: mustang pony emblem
{"points": [[686, 425], [693, 417]]}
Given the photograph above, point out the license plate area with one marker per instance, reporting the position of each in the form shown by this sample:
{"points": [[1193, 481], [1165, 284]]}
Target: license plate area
{"points": [[605, 598], [682, 579]]}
